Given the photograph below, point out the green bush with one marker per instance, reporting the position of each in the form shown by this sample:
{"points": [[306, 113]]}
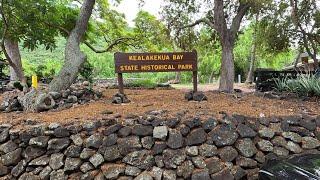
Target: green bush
{"points": [[143, 83], [304, 85]]}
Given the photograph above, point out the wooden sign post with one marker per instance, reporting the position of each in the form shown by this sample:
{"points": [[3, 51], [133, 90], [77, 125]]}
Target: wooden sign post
{"points": [[156, 62]]}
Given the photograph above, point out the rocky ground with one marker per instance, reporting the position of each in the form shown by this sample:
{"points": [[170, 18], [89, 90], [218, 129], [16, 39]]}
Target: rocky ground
{"points": [[170, 100], [153, 146]]}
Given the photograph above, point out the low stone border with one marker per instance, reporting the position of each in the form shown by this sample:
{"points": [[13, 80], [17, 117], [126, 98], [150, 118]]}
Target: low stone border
{"points": [[153, 146]]}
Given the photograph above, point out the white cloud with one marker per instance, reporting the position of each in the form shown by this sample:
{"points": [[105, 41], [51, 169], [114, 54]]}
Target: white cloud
{"points": [[131, 7]]}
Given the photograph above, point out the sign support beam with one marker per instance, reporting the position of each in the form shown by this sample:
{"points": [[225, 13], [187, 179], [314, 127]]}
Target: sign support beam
{"points": [[120, 83]]}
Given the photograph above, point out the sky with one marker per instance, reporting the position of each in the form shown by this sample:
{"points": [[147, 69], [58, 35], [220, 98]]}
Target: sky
{"points": [[131, 7]]}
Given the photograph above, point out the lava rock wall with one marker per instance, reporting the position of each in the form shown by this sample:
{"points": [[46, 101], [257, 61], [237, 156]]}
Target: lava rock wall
{"points": [[154, 146]]}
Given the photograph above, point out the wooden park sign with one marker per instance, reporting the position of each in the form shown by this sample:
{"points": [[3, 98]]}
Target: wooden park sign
{"points": [[155, 62]]}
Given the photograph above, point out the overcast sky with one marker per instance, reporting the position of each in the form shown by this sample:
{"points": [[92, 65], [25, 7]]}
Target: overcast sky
{"points": [[131, 7]]}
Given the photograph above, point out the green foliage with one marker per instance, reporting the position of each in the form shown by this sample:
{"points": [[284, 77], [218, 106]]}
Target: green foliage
{"points": [[304, 85], [144, 83], [86, 71]]}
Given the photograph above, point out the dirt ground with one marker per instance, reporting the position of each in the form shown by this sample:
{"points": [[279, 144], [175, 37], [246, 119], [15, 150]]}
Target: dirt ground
{"points": [[173, 101]]}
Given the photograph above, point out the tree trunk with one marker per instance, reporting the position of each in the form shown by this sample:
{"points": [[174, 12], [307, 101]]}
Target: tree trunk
{"points": [[227, 67], [177, 79], [12, 49], [249, 79], [74, 58]]}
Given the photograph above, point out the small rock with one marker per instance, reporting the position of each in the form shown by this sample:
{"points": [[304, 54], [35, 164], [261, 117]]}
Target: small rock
{"points": [[87, 153], [58, 175], [185, 170], [198, 161], [169, 175], [266, 133], [173, 158], [85, 167], [128, 144], [159, 147], [72, 164], [112, 153], [96, 160], [156, 173], [192, 151], [45, 173], [40, 161], [209, 124], [279, 141], [310, 143], [196, 136], [245, 131], [3, 170], [132, 171], [293, 147], [144, 176], [141, 130], [280, 151], [246, 147], [56, 161], [228, 153], [61, 132], [112, 171], [160, 132], [175, 139], [246, 162], [292, 136], [147, 142], [265, 145], [58, 144], [40, 141], [8, 147], [207, 150], [200, 174], [141, 159], [76, 139], [193, 123], [112, 129], [260, 157], [29, 176], [214, 165], [125, 131], [223, 136], [224, 174], [199, 96], [11, 158], [73, 151], [19, 168], [110, 140], [94, 141]]}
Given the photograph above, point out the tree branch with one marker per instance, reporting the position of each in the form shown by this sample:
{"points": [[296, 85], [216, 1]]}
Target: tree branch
{"points": [[110, 47], [199, 21], [242, 10]]}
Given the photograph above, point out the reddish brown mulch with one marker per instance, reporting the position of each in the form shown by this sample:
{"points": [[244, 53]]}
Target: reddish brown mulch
{"points": [[171, 100]]}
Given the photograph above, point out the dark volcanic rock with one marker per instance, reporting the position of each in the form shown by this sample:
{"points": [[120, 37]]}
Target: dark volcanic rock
{"points": [[214, 165], [209, 124], [228, 153], [141, 159], [223, 136], [196, 136], [173, 158], [11, 158], [58, 144], [175, 139], [141, 130], [94, 141], [112, 153], [246, 147], [129, 144], [245, 131], [200, 174]]}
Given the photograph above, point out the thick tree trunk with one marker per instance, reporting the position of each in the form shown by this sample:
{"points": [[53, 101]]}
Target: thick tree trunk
{"points": [[12, 49], [74, 58], [227, 67]]}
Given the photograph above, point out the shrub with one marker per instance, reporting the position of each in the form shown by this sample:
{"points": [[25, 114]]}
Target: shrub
{"points": [[144, 83], [304, 85]]}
